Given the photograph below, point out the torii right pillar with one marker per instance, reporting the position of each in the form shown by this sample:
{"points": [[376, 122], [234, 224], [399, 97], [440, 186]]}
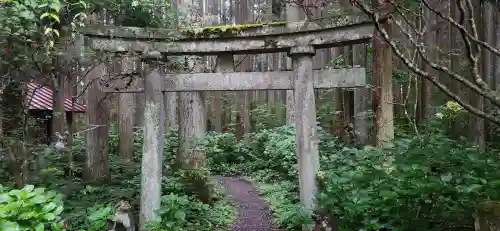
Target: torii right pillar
{"points": [[305, 122]]}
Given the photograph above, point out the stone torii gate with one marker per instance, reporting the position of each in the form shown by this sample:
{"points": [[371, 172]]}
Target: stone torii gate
{"points": [[299, 39]]}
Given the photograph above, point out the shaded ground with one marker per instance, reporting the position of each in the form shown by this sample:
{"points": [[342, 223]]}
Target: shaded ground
{"points": [[252, 210]]}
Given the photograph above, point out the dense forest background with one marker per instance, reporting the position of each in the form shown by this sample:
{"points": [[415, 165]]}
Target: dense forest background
{"points": [[414, 149]]}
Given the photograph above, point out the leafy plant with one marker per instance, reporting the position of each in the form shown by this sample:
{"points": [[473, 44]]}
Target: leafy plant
{"points": [[431, 184], [285, 205], [224, 152], [30, 208], [266, 117], [425, 182], [98, 216], [184, 213]]}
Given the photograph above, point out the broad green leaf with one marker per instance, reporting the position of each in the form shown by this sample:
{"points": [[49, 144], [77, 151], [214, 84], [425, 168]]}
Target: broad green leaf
{"points": [[473, 187], [39, 190], [27, 14], [27, 215], [39, 199], [29, 188], [55, 5], [16, 193], [59, 210], [50, 216], [49, 207], [180, 215], [10, 226], [5, 198], [446, 177], [40, 227], [386, 193]]}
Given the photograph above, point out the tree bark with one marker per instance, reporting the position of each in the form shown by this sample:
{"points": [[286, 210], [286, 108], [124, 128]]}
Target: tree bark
{"points": [[455, 64], [58, 91], [97, 116], [485, 34], [192, 127], [382, 81], [425, 96], [126, 110]]}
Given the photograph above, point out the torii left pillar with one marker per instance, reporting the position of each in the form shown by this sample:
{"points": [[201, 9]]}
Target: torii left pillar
{"points": [[152, 149]]}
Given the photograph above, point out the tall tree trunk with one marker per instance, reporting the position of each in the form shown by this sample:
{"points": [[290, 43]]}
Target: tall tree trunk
{"points": [[486, 34], [424, 102], [496, 43], [126, 110], [192, 127], [455, 64], [15, 112], [58, 91], [382, 81], [476, 124], [97, 116], [171, 104], [243, 120]]}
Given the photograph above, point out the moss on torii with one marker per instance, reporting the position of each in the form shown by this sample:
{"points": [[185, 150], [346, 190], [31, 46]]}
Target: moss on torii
{"points": [[225, 30]]}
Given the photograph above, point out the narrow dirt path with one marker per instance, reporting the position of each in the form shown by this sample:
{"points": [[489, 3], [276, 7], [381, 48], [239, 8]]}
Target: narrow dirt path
{"points": [[253, 211]]}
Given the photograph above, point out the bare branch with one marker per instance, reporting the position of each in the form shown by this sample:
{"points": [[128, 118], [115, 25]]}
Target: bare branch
{"points": [[464, 30], [488, 93], [432, 78]]}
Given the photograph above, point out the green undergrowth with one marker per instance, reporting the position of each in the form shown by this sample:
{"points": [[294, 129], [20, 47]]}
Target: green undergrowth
{"points": [[283, 203], [425, 182], [53, 198], [422, 182]]}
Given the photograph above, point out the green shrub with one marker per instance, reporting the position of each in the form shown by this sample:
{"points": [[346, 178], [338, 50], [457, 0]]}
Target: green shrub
{"points": [[30, 208], [426, 182], [98, 215], [224, 153], [432, 184], [272, 155], [263, 118], [87, 206], [284, 205], [183, 213]]}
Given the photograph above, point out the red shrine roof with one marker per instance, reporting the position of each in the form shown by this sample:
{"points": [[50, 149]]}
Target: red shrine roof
{"points": [[42, 99]]}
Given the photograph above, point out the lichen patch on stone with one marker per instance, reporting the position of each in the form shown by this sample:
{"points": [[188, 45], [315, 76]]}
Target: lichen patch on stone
{"points": [[224, 30]]}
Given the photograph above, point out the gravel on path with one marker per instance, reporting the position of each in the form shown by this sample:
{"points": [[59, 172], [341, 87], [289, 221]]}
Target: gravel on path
{"points": [[253, 211]]}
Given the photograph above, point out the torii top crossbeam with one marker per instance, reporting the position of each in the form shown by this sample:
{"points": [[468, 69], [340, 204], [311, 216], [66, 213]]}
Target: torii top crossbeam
{"points": [[239, 39]]}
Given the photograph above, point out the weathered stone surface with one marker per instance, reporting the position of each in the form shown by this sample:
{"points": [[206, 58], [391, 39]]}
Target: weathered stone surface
{"points": [[152, 148], [224, 31], [487, 216], [241, 81], [305, 124], [243, 43]]}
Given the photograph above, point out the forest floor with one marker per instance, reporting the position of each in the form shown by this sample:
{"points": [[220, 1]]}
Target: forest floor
{"points": [[253, 211]]}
